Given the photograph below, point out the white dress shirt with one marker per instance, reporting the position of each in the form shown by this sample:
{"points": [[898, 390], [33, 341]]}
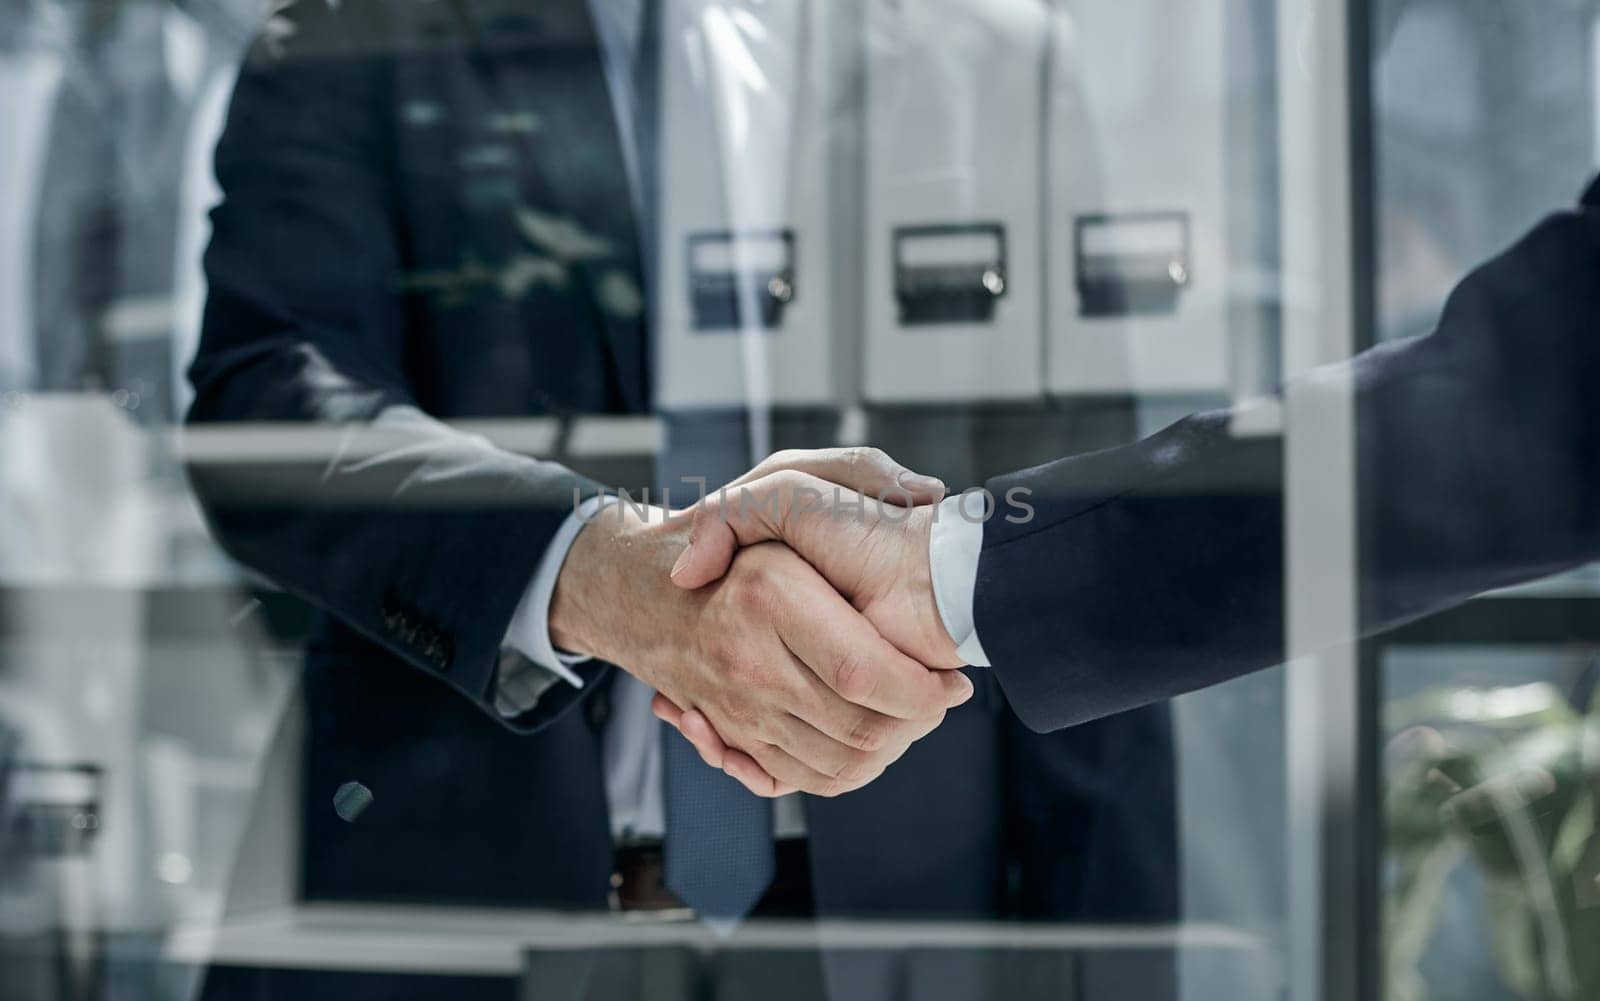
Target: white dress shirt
{"points": [[953, 550]]}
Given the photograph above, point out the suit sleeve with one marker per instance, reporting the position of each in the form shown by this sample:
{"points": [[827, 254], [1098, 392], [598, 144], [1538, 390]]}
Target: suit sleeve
{"points": [[1156, 569], [418, 536]]}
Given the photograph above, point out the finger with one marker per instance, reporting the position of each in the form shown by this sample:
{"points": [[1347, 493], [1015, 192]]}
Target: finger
{"points": [[744, 769], [744, 514], [704, 737], [842, 648], [710, 751], [845, 728], [820, 730], [783, 771], [759, 508], [694, 728], [787, 771], [666, 710], [796, 737], [869, 471], [839, 759]]}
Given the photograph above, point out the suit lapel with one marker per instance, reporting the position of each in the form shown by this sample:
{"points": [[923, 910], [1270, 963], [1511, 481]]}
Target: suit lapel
{"points": [[550, 65]]}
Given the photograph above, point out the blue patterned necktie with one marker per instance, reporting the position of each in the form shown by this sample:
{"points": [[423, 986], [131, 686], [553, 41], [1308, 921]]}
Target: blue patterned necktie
{"points": [[718, 854]]}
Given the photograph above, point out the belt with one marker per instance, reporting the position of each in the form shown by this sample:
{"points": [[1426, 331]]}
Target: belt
{"points": [[638, 885]]}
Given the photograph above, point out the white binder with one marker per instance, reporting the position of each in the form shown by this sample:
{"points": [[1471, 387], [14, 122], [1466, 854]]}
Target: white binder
{"points": [[742, 305], [953, 158], [29, 82], [1135, 198]]}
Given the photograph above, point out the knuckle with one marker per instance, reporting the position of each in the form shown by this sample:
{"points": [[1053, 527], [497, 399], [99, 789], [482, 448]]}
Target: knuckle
{"points": [[726, 653], [856, 768], [866, 464], [781, 459], [789, 480], [930, 699], [770, 757], [754, 683], [764, 786], [768, 700], [740, 716], [854, 677], [757, 593], [756, 580], [832, 788], [744, 683], [704, 520], [869, 734]]}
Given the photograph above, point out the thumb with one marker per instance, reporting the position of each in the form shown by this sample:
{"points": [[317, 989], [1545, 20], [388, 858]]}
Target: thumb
{"points": [[721, 526], [871, 472], [743, 516]]}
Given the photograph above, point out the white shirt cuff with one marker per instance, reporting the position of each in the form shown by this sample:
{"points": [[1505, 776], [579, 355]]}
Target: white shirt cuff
{"points": [[529, 633], [954, 546]]}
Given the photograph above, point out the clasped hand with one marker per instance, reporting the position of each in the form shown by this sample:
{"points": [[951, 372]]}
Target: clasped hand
{"points": [[787, 623]]}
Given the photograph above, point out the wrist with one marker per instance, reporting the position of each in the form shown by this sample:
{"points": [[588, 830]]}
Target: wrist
{"points": [[898, 593], [942, 649], [613, 555]]}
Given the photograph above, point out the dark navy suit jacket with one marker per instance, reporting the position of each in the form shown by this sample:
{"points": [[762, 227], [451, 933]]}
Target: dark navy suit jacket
{"points": [[1477, 466], [426, 214]]}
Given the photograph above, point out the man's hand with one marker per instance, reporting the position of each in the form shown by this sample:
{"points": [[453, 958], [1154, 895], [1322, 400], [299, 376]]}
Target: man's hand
{"points": [[771, 655], [875, 555]]}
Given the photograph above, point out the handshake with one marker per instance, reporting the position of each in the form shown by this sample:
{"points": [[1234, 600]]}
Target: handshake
{"points": [[787, 622]]}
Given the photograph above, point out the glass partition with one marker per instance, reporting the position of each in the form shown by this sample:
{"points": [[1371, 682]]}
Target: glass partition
{"points": [[1483, 122], [336, 339]]}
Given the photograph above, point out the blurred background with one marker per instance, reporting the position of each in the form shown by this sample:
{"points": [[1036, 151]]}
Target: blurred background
{"points": [[978, 234]]}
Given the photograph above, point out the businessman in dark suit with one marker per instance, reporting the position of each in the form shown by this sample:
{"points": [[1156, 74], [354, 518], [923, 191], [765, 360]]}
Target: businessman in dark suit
{"points": [[434, 211], [1119, 578]]}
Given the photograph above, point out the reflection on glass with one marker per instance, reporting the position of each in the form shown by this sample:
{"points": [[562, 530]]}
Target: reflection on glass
{"points": [[1492, 773], [255, 738]]}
